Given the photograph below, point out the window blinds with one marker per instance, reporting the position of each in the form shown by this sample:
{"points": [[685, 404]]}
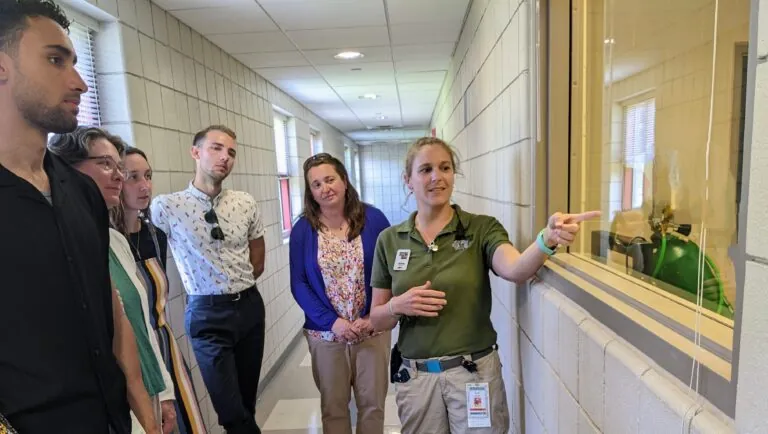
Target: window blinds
{"points": [[82, 38], [639, 133]]}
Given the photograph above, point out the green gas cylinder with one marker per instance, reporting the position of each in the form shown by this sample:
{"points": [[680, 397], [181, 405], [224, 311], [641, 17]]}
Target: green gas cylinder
{"points": [[677, 263]]}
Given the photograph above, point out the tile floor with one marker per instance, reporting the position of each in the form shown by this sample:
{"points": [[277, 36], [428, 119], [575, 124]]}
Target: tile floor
{"points": [[291, 403]]}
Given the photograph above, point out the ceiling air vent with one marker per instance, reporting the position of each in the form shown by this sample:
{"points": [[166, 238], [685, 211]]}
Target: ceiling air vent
{"points": [[385, 128]]}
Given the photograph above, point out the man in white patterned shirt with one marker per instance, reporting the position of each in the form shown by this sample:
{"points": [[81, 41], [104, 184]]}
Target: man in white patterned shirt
{"points": [[217, 239]]}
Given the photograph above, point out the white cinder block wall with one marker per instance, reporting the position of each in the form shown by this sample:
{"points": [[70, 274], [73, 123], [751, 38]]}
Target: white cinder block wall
{"points": [[381, 170], [564, 371], [751, 399], [160, 82]]}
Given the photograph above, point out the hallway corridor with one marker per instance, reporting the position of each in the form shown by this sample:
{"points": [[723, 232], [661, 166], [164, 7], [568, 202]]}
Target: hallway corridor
{"points": [[290, 404]]}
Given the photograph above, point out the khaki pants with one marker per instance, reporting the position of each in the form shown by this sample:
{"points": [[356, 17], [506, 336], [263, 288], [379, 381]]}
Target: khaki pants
{"points": [[437, 403], [338, 368]]}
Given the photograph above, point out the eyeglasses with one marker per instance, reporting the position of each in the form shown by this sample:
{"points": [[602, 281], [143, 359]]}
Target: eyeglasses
{"points": [[108, 164], [212, 219], [316, 159]]}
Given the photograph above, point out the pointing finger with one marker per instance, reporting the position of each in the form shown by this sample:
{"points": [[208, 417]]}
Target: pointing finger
{"points": [[578, 218]]}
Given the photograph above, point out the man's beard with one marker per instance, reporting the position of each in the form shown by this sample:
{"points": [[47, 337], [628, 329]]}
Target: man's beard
{"points": [[47, 119], [217, 178]]}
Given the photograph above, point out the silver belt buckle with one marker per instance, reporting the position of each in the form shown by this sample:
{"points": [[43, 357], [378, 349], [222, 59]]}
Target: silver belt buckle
{"points": [[237, 296]]}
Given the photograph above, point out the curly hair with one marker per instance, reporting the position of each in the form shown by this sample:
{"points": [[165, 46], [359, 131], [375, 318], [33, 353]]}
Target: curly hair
{"points": [[73, 147]]}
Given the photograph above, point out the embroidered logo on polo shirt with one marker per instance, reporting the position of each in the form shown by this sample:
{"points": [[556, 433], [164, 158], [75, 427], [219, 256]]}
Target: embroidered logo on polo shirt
{"points": [[461, 244]]}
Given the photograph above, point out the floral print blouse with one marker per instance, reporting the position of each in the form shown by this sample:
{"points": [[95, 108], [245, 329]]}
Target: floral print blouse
{"points": [[342, 266]]}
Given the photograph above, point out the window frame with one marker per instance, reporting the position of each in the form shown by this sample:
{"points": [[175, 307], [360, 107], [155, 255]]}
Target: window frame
{"points": [[283, 178], [638, 322], [315, 145]]}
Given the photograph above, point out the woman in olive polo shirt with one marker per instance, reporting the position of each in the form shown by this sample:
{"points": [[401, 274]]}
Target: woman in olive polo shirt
{"points": [[430, 274]]}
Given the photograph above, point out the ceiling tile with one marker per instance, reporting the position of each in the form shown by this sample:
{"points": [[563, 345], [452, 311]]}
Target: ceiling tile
{"points": [[326, 14], [386, 92], [172, 5], [345, 124], [422, 109], [419, 97], [379, 73], [311, 93], [335, 113], [247, 17], [421, 77], [291, 73], [334, 38], [406, 88], [370, 111], [300, 84], [322, 28], [422, 65], [426, 11], [423, 51], [368, 68], [372, 54], [425, 33], [272, 60], [252, 42]]}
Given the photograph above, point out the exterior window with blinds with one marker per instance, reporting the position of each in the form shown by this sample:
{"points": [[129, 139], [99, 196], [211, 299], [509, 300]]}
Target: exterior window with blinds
{"points": [[82, 38], [283, 176], [639, 131]]}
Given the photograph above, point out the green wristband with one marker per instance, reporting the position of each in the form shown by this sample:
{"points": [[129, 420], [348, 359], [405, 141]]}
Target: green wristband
{"points": [[542, 245]]}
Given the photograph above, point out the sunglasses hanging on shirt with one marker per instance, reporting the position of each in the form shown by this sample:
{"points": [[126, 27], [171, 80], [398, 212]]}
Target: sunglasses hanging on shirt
{"points": [[212, 219]]}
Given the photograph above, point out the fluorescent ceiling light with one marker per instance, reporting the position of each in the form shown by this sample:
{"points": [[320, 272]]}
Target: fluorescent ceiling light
{"points": [[349, 55], [369, 96]]}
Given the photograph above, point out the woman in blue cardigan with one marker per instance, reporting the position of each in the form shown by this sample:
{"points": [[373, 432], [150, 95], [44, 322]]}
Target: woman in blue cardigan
{"points": [[331, 250]]}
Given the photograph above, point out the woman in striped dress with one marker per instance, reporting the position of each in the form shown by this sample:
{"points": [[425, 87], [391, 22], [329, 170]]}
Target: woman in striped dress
{"points": [[150, 245]]}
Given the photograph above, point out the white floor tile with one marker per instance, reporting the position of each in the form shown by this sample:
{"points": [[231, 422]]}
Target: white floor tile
{"points": [[295, 414], [390, 412], [307, 362]]}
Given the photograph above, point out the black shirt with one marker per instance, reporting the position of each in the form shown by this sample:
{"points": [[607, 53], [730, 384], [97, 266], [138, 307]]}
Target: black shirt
{"points": [[57, 369], [143, 246]]}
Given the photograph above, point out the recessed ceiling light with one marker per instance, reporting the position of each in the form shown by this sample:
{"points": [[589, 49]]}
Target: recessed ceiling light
{"points": [[380, 116], [349, 55], [369, 96]]}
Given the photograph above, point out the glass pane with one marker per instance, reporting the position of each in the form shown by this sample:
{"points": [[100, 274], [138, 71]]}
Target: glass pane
{"points": [[281, 145], [654, 133], [285, 203]]}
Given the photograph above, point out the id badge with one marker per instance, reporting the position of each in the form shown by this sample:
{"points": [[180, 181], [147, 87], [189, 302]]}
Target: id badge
{"points": [[478, 405], [401, 259]]}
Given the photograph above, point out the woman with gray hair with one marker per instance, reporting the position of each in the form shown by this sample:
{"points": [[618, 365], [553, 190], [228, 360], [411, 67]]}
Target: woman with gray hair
{"points": [[98, 154]]}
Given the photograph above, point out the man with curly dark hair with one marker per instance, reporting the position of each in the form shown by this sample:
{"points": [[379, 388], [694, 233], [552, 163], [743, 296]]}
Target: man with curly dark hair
{"points": [[64, 338]]}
